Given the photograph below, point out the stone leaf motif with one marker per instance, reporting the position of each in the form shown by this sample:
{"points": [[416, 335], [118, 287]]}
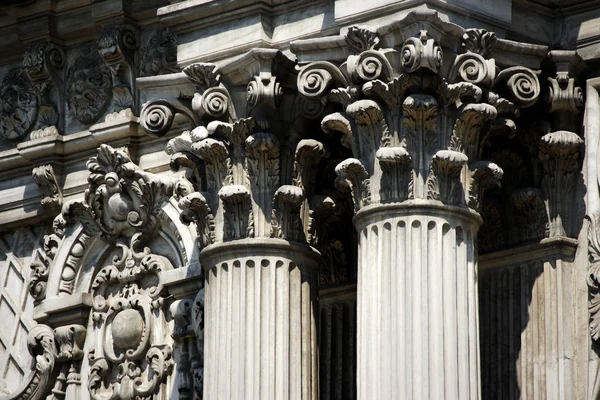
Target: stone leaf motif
{"points": [[128, 362], [196, 209], [593, 279], [478, 41], [559, 153], [20, 103], [45, 178], [159, 56], [530, 214], [116, 44], [361, 38], [43, 63], [121, 198], [89, 87]]}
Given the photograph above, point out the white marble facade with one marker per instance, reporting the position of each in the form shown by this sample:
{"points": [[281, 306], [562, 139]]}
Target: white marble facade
{"points": [[284, 199]]}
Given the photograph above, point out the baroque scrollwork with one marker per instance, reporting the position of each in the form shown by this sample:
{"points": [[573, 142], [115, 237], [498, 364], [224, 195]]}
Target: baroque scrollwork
{"points": [[128, 361], [121, 199]]}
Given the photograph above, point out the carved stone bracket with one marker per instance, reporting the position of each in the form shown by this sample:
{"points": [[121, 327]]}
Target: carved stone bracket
{"points": [[559, 154], [46, 180]]}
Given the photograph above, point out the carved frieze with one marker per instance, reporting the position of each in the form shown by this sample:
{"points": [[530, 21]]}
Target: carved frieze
{"points": [[593, 279]]}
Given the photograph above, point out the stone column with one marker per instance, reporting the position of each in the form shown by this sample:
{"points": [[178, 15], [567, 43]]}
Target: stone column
{"points": [[417, 132], [261, 309], [417, 302], [260, 329]]}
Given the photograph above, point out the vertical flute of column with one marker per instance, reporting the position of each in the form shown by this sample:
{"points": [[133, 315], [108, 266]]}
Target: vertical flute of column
{"points": [[417, 302], [260, 327]]}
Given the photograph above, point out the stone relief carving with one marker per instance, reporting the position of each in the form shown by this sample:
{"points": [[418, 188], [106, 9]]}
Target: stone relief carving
{"points": [[238, 164], [121, 199], [44, 64], [129, 360], [46, 180], [117, 46], [89, 87], [188, 334], [20, 105], [159, 56], [593, 279]]}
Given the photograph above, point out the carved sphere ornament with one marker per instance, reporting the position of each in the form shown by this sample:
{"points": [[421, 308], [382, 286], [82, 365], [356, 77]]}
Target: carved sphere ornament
{"points": [[127, 329]]}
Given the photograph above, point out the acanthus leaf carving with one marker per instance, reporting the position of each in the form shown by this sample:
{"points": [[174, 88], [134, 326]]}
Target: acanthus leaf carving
{"points": [[396, 175], [559, 153], [443, 182], [593, 277], [353, 175], [285, 221], [478, 41], [122, 199], [530, 214], [195, 208], [485, 175], [361, 38], [237, 212]]}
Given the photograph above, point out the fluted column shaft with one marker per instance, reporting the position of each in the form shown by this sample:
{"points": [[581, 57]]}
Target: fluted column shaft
{"points": [[260, 328], [417, 302]]}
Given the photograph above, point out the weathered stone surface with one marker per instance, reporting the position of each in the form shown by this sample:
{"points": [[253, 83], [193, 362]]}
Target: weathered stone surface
{"points": [[283, 199]]}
